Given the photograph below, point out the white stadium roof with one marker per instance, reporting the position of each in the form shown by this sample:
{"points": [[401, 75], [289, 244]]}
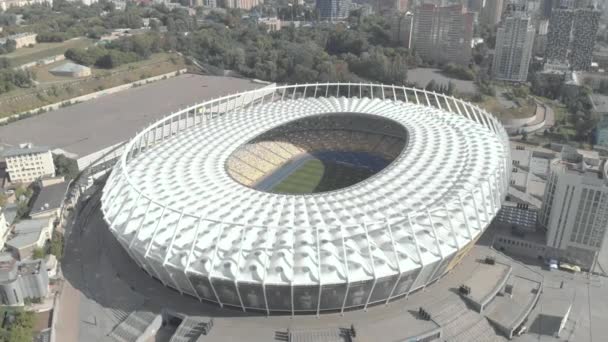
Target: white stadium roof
{"points": [[174, 207]]}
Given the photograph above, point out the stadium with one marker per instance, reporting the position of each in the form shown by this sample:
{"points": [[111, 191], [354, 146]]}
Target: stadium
{"points": [[305, 199]]}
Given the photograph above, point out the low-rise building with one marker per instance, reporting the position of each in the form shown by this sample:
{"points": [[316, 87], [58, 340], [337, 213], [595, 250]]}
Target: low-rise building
{"points": [[272, 24], [29, 235], [20, 39], [27, 163], [22, 280], [49, 201], [4, 227], [6, 4], [9, 211]]}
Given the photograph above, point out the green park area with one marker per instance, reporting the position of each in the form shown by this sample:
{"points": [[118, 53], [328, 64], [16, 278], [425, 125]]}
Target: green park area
{"points": [[52, 89], [45, 50]]}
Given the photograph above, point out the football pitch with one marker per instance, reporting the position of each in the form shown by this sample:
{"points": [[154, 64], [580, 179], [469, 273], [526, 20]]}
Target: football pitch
{"points": [[304, 180]]}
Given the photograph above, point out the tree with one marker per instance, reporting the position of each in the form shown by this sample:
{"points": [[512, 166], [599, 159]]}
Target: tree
{"points": [[65, 166], [10, 45], [20, 329], [38, 253], [57, 241], [451, 88]]}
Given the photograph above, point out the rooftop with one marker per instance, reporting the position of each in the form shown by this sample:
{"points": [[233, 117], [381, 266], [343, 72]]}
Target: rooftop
{"points": [[30, 267], [600, 103], [93, 125], [49, 198], [10, 212], [27, 233], [69, 67], [23, 149]]}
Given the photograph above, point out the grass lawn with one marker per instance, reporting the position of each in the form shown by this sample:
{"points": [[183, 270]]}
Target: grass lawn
{"points": [[493, 106], [54, 89], [303, 180], [44, 50]]}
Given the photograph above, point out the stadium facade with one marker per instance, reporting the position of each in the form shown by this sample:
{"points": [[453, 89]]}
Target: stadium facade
{"points": [[185, 203]]}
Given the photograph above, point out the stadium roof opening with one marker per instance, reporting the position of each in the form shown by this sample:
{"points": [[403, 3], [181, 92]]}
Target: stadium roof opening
{"points": [[319, 153]]}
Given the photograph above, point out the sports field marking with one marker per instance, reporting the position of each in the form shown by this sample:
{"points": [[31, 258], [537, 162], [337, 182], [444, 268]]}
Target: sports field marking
{"points": [[303, 180]]}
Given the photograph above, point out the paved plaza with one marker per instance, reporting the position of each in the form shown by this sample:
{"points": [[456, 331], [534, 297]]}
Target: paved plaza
{"points": [[103, 286]]}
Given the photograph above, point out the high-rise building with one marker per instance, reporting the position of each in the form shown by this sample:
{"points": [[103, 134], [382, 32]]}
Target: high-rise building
{"points": [[491, 12], [390, 6], [242, 4], [401, 29], [558, 37], [333, 9], [586, 24], [443, 34], [572, 30], [514, 43], [474, 5], [575, 209]]}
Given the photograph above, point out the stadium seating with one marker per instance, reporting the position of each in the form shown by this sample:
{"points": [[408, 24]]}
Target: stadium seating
{"points": [[363, 143]]}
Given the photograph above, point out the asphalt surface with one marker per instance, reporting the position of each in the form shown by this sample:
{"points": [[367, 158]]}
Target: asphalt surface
{"points": [[103, 285], [90, 126]]}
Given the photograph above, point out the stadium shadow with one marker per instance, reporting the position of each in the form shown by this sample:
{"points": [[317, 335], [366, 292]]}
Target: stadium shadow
{"points": [[97, 266]]}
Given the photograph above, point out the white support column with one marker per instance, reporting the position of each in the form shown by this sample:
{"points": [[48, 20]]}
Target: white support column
{"points": [[466, 110], [405, 95], [447, 102], [164, 263], [238, 269], [399, 270], [319, 269], [409, 218], [160, 219], [441, 256], [416, 96], [131, 211], [447, 213], [122, 204], [189, 258], [455, 102], [266, 270], [483, 203], [466, 219], [211, 267], [371, 257], [476, 211], [426, 97], [344, 255], [143, 219], [437, 100]]}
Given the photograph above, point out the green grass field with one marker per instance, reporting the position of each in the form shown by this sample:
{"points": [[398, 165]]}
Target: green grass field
{"points": [[44, 50], [304, 180], [317, 176]]}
